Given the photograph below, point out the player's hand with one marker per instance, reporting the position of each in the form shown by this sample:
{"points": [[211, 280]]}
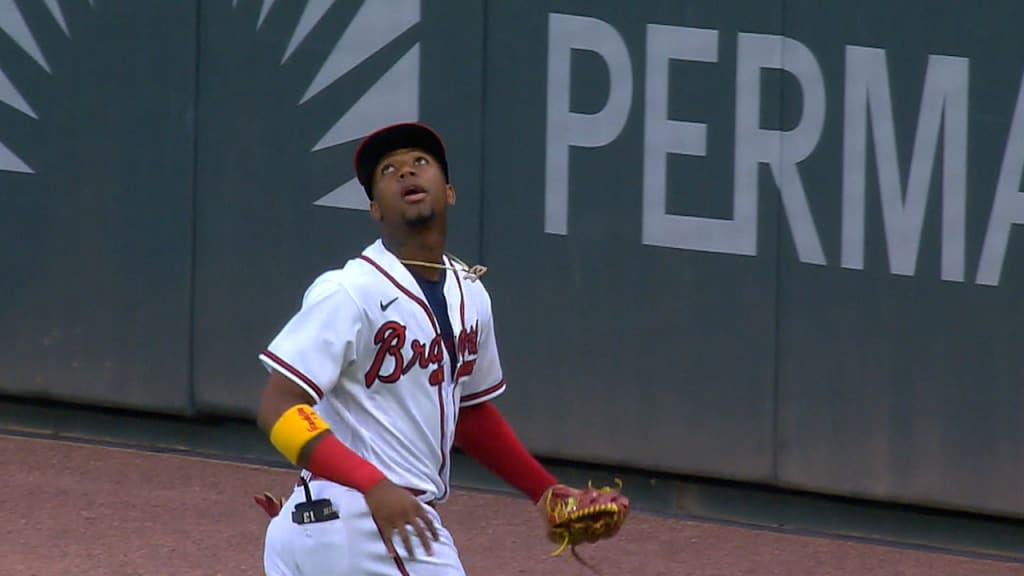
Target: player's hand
{"points": [[393, 507]]}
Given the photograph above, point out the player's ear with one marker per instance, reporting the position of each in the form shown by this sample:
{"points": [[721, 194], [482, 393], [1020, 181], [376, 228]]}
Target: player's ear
{"points": [[375, 211], [450, 193]]}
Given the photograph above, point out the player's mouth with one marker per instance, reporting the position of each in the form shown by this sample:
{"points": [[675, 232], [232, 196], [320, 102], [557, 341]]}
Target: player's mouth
{"points": [[413, 193]]}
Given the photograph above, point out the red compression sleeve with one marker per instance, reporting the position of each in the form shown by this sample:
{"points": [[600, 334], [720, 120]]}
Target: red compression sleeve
{"points": [[333, 460], [483, 433]]}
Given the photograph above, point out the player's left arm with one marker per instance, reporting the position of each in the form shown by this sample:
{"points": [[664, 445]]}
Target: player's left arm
{"points": [[483, 433], [573, 516]]}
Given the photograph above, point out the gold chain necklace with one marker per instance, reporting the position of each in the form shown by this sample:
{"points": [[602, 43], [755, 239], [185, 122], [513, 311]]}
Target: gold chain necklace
{"points": [[472, 273]]}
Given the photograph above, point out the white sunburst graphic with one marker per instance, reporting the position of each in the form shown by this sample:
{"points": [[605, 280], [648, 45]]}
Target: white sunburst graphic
{"points": [[393, 98], [12, 22]]}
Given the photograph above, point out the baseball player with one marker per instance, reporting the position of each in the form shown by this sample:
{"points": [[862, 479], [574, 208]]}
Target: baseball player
{"points": [[389, 361]]}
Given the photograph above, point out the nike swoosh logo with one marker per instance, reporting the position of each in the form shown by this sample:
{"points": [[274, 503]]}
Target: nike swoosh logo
{"points": [[384, 307]]}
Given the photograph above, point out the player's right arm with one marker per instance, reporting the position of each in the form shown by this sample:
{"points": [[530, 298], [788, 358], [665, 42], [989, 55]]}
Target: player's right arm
{"points": [[286, 416], [304, 360], [296, 430], [279, 395]]}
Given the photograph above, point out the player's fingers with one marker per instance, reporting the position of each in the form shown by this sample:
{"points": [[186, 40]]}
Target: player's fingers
{"points": [[418, 526], [430, 525], [391, 548], [404, 533]]}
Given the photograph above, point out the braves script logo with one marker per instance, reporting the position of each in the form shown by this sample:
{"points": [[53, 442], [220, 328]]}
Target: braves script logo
{"points": [[390, 340]]}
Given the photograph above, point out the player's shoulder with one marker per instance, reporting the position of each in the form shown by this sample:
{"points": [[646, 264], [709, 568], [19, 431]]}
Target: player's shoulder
{"points": [[473, 288], [349, 280], [359, 277], [329, 284]]}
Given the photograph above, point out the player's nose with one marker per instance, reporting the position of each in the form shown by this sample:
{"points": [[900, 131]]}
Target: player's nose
{"points": [[406, 170]]}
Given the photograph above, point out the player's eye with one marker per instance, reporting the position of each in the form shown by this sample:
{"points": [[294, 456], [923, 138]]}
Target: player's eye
{"points": [[421, 161], [387, 169]]}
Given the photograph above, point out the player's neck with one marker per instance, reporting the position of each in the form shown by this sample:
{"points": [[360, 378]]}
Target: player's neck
{"points": [[425, 245]]}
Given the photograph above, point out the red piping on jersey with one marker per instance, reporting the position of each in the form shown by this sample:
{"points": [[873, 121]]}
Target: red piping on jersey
{"points": [[482, 393], [294, 372], [391, 548], [444, 457], [461, 362], [415, 298], [437, 332]]}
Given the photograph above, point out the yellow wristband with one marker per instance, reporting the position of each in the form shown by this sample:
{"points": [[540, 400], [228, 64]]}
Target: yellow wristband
{"points": [[294, 429]]}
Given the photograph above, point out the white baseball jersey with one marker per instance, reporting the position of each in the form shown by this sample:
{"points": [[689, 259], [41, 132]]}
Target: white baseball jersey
{"points": [[367, 348]]}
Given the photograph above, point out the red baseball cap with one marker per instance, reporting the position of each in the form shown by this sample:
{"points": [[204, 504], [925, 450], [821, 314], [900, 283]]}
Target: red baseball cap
{"points": [[379, 144]]}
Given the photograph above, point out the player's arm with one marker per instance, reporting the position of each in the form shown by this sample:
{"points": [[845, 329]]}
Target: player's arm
{"points": [[295, 429], [298, 432], [304, 360], [484, 434], [481, 430], [279, 396]]}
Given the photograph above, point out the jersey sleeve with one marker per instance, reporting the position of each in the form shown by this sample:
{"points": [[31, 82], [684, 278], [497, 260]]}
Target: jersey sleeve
{"points": [[318, 341], [486, 380]]}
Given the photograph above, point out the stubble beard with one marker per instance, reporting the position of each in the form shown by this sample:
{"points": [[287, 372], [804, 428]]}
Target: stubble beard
{"points": [[420, 220]]}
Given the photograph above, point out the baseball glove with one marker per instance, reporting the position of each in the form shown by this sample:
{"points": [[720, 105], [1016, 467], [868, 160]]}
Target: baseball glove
{"points": [[269, 503], [588, 515]]}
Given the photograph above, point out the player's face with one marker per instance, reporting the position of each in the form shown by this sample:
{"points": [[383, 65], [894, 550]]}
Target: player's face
{"points": [[409, 187]]}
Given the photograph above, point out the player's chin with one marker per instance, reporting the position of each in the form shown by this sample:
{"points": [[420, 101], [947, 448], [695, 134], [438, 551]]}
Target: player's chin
{"points": [[421, 217]]}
